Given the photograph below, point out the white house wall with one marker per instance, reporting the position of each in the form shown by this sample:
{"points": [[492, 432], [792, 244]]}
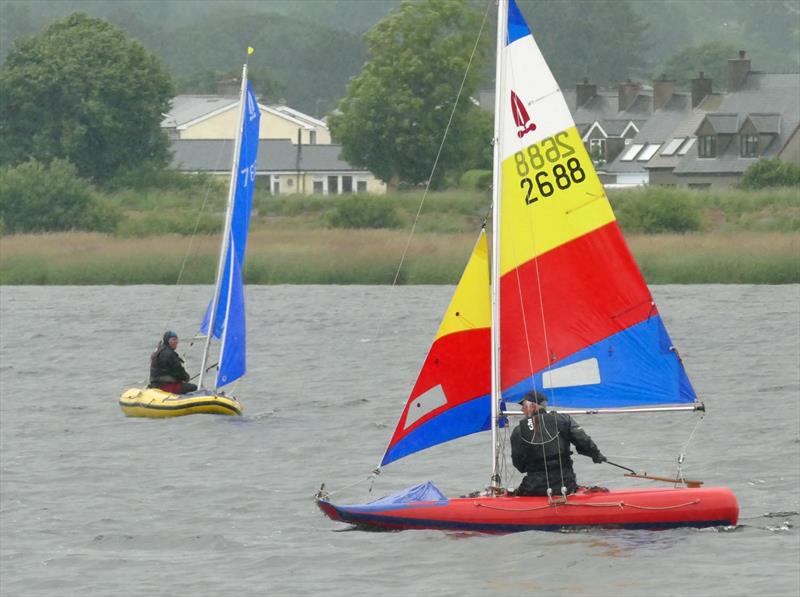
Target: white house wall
{"points": [[289, 185], [273, 126]]}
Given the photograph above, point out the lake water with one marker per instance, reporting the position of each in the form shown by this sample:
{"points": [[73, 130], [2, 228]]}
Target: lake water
{"points": [[94, 503]]}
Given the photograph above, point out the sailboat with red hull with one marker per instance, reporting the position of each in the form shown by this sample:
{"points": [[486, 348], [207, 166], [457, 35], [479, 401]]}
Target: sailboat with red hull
{"points": [[565, 301]]}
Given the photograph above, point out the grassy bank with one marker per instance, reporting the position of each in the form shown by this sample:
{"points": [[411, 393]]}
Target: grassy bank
{"points": [[281, 255], [728, 236]]}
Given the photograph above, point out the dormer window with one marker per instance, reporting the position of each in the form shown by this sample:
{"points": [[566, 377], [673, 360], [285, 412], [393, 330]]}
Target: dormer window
{"points": [[707, 146], [749, 146], [597, 149]]}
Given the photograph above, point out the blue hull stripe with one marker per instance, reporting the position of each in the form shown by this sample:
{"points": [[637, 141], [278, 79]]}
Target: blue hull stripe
{"points": [[382, 522]]}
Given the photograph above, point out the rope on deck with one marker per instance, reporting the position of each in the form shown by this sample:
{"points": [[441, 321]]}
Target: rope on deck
{"points": [[602, 505]]}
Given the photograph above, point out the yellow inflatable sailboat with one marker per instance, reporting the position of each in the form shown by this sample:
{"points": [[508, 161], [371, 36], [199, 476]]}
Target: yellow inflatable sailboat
{"points": [[225, 318], [153, 402]]}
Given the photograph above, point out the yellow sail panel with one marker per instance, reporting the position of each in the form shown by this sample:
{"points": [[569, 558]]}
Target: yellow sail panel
{"points": [[551, 195], [470, 307]]}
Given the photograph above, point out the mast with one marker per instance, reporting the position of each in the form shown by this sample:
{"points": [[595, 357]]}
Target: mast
{"points": [[227, 230], [502, 19]]}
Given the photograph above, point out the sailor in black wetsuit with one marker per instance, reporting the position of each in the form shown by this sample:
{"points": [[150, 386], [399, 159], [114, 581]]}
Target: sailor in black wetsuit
{"points": [[540, 448], [166, 367]]}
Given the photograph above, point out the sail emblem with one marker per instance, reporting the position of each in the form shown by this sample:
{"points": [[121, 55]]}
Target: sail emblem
{"points": [[521, 118]]}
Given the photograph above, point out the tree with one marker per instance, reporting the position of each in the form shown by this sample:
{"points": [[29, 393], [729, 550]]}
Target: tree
{"points": [[396, 111], [711, 59], [771, 173], [82, 91], [39, 198]]}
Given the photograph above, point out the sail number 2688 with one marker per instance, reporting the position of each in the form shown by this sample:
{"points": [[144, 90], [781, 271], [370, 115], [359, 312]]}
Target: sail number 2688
{"points": [[549, 151], [563, 177]]}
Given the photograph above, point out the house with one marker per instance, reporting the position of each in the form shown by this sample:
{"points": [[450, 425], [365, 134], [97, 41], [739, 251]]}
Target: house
{"points": [[607, 119], [215, 116], [715, 141], [639, 135], [283, 167], [666, 136], [758, 118]]}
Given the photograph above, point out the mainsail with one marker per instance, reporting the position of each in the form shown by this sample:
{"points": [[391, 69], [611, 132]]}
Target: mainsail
{"points": [[226, 309], [575, 317]]}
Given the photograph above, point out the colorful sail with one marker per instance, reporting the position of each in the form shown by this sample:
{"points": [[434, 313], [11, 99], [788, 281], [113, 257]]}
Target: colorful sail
{"points": [[576, 317], [229, 321], [452, 395]]}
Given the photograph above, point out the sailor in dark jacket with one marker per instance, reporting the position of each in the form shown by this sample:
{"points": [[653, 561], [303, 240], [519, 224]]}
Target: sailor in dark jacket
{"points": [[540, 448], [166, 367]]}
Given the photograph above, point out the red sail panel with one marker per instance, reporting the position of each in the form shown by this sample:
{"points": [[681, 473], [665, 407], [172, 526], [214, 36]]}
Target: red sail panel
{"points": [[458, 363], [583, 292], [456, 371]]}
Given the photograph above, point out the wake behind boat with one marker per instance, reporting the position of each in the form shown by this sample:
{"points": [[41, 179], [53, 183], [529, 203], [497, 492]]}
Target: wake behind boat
{"points": [[563, 311], [225, 317]]}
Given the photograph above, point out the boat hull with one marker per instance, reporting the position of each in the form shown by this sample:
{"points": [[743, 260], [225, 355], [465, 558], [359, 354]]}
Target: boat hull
{"points": [[155, 403], [661, 508]]}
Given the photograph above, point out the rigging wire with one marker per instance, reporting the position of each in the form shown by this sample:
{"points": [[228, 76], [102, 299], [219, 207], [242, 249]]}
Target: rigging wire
{"points": [[191, 240], [379, 326], [173, 309], [435, 165], [526, 332], [682, 455]]}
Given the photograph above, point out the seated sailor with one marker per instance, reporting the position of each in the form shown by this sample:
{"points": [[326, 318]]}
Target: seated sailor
{"points": [[540, 448], [166, 367]]}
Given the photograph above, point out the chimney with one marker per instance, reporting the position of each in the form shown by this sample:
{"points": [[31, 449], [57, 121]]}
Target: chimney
{"points": [[737, 71], [701, 87], [663, 89], [584, 92], [627, 94], [228, 86]]}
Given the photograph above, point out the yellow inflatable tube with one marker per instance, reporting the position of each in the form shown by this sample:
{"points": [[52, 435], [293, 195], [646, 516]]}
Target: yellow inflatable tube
{"points": [[152, 402]]}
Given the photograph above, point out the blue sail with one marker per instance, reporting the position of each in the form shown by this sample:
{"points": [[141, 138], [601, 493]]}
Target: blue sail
{"points": [[229, 320], [232, 358]]}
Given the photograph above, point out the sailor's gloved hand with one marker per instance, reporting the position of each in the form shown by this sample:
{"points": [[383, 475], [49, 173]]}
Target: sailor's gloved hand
{"points": [[599, 458]]}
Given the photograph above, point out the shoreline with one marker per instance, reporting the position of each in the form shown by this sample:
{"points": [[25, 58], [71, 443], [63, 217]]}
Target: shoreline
{"points": [[278, 255]]}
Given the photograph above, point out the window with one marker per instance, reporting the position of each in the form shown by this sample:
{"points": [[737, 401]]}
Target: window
{"points": [[276, 187], [312, 137], [687, 146], [631, 153], [649, 152], [361, 186], [700, 186], [319, 187], [597, 149], [333, 185], [347, 184], [707, 146], [673, 146], [749, 146], [264, 182]]}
